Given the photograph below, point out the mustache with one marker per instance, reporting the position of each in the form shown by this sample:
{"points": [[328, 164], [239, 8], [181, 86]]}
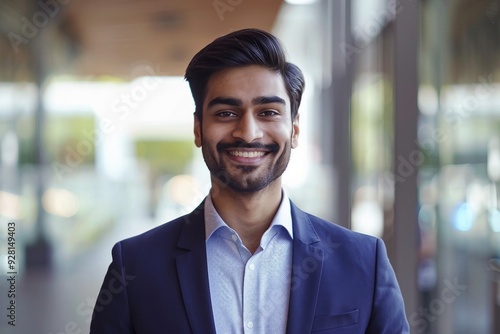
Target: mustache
{"points": [[241, 144]]}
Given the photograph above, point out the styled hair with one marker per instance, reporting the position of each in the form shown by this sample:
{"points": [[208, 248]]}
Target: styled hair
{"points": [[239, 49]]}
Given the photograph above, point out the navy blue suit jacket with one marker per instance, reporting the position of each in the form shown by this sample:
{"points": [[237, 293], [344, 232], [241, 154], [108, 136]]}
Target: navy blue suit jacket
{"points": [[342, 282]]}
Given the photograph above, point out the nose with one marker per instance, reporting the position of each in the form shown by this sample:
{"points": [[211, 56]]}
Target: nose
{"points": [[248, 128]]}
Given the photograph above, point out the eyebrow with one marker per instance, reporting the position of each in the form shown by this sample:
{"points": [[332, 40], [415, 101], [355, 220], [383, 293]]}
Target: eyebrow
{"points": [[268, 99], [225, 100], [231, 101]]}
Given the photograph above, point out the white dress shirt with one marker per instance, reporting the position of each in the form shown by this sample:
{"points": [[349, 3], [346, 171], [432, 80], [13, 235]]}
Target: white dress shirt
{"points": [[249, 292]]}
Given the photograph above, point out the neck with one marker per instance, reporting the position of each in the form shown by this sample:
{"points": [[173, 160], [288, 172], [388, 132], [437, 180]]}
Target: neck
{"points": [[250, 215]]}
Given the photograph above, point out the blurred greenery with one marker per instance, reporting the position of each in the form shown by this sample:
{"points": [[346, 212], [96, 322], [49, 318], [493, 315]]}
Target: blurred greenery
{"points": [[70, 137], [165, 156]]}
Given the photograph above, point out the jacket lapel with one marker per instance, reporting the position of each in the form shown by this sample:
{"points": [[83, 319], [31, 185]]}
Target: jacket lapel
{"points": [[307, 265], [193, 274]]}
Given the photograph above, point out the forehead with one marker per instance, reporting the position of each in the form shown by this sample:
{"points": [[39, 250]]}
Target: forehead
{"points": [[246, 83]]}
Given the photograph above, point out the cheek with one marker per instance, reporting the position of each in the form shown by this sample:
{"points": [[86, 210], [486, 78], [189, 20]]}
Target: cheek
{"points": [[284, 133], [210, 138], [215, 134]]}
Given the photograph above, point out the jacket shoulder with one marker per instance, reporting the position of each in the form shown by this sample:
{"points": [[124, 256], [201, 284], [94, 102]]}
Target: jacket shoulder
{"points": [[342, 241], [326, 228], [167, 234]]}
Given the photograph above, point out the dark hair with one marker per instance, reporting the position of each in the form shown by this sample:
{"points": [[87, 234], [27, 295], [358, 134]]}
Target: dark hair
{"points": [[238, 49]]}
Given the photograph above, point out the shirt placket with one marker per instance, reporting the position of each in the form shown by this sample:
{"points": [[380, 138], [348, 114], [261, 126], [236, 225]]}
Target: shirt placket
{"points": [[250, 295]]}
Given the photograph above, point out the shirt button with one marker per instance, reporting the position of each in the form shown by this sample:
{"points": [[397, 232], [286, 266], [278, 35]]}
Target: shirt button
{"points": [[234, 237], [250, 324], [251, 266]]}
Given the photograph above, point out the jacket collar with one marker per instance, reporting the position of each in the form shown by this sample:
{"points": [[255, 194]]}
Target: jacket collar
{"points": [[307, 264], [193, 274], [302, 226]]}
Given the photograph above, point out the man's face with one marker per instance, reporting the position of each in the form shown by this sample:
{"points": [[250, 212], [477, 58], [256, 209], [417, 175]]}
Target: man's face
{"points": [[247, 132]]}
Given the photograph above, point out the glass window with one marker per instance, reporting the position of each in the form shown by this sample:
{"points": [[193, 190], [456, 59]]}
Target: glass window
{"points": [[459, 182]]}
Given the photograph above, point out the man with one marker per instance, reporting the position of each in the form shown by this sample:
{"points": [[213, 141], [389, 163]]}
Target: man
{"points": [[247, 260]]}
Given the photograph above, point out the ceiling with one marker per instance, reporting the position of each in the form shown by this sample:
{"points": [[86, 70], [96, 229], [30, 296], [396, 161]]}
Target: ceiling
{"points": [[122, 37]]}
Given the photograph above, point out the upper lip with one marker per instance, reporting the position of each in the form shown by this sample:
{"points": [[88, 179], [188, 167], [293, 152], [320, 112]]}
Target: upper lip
{"points": [[243, 147]]}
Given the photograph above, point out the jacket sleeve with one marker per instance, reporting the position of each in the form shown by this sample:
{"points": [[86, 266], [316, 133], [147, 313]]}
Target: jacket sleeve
{"points": [[388, 311], [111, 312]]}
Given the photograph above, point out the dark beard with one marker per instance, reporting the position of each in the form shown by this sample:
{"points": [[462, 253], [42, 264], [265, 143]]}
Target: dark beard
{"points": [[245, 185]]}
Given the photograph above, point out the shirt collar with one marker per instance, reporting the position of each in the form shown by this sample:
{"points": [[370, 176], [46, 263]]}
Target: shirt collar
{"points": [[283, 217]]}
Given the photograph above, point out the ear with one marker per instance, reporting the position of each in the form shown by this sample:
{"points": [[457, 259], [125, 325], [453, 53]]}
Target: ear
{"points": [[295, 131], [197, 131]]}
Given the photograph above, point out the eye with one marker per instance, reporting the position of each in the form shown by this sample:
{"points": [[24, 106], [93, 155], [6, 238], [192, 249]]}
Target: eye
{"points": [[225, 113], [269, 113]]}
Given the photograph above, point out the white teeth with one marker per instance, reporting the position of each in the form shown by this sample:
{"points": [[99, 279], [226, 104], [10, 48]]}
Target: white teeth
{"points": [[246, 154]]}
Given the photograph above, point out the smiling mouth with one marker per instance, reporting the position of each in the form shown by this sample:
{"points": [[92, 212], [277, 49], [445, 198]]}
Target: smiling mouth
{"points": [[247, 154]]}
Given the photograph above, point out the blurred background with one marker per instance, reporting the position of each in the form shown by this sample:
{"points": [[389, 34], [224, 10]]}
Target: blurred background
{"points": [[400, 138]]}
